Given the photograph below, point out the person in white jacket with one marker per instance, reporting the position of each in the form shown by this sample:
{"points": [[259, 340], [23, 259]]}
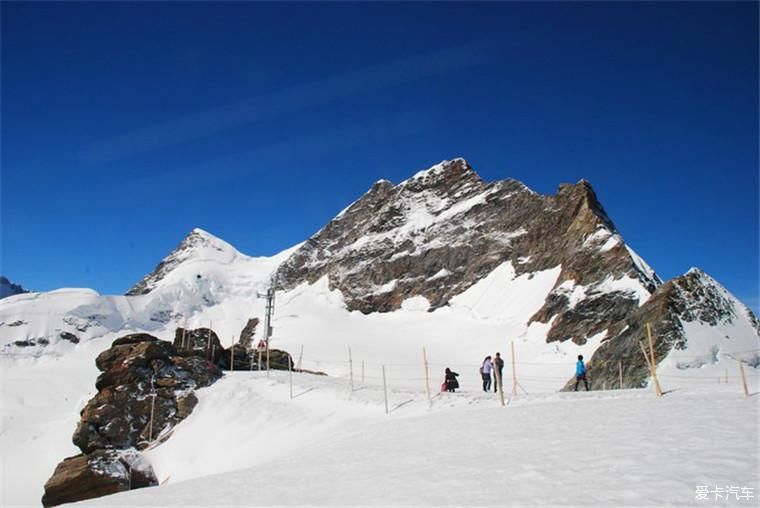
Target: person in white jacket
{"points": [[485, 371]]}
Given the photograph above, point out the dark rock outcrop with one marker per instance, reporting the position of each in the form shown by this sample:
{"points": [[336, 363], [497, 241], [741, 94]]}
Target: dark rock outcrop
{"points": [[203, 342], [97, 474], [694, 296], [198, 341], [137, 369], [248, 332], [69, 337], [441, 231], [145, 388]]}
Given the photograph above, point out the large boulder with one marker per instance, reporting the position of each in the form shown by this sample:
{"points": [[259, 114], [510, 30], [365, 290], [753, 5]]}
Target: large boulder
{"points": [[145, 389], [141, 376], [100, 473]]}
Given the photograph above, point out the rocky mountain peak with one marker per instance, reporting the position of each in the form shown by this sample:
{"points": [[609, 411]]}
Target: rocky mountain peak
{"points": [[442, 230], [448, 177], [585, 207], [699, 297], [199, 239]]}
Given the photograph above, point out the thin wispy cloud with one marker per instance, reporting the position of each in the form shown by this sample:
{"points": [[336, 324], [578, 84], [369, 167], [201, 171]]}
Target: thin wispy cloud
{"points": [[367, 80], [277, 156]]}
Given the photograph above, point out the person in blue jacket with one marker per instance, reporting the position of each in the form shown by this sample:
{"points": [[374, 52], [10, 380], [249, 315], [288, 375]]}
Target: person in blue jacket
{"points": [[580, 373]]}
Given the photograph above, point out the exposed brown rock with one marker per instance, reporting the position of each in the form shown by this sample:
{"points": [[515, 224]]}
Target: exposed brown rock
{"points": [[137, 369], [141, 375], [690, 297], [100, 473], [248, 332]]}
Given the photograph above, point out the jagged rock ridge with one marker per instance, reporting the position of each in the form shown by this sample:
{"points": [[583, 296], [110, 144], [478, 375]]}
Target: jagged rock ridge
{"points": [[693, 298], [441, 231]]}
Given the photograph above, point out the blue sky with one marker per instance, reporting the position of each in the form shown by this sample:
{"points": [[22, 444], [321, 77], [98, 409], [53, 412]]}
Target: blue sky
{"points": [[125, 125]]}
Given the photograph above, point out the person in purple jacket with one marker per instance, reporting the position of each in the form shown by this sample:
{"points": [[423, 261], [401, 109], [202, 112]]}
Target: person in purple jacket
{"points": [[485, 372], [580, 373]]}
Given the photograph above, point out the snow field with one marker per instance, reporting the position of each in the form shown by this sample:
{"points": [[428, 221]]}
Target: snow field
{"points": [[332, 447]]}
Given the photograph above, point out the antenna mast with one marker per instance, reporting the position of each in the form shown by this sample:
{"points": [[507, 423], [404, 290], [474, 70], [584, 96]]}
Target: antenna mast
{"points": [[269, 312]]}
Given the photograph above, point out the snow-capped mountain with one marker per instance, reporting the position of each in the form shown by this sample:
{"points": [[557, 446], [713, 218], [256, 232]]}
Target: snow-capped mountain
{"points": [[201, 250], [554, 267], [202, 273], [442, 260], [438, 233]]}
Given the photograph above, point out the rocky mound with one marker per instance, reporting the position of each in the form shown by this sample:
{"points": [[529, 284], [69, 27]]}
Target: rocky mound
{"points": [[145, 389]]}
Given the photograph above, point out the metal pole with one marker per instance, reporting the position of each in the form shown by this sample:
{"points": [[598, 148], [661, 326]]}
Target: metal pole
{"points": [[208, 342], [427, 376], [350, 369], [152, 408], [269, 311], [290, 377], [385, 391], [514, 374]]}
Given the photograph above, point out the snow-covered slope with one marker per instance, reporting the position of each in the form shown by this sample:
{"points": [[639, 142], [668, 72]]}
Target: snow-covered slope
{"points": [[250, 444]]}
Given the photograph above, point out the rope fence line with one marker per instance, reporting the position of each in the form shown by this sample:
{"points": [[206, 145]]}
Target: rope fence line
{"points": [[553, 378], [519, 362], [384, 382], [615, 382]]}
